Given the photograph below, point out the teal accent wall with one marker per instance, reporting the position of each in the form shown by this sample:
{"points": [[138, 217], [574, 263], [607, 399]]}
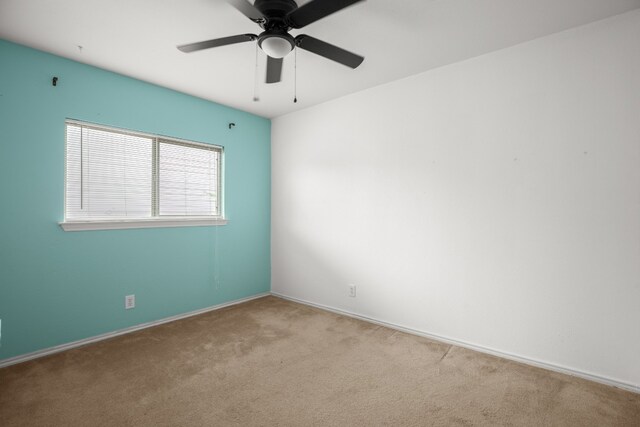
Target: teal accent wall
{"points": [[56, 286]]}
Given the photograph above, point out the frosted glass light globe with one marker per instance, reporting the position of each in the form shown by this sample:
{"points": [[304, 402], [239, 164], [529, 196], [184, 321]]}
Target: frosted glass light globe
{"points": [[276, 47]]}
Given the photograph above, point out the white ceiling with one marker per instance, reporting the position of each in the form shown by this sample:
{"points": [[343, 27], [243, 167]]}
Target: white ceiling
{"points": [[398, 38]]}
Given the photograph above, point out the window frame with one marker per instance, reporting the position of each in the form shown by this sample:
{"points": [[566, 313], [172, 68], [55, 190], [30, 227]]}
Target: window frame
{"points": [[156, 220]]}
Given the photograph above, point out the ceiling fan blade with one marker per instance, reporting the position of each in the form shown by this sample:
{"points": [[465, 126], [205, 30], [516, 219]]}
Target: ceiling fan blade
{"points": [[274, 69], [329, 51], [247, 9], [192, 47], [316, 9]]}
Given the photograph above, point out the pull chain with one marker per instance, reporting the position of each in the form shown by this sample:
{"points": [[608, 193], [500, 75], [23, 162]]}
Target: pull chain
{"points": [[256, 98], [295, 75]]}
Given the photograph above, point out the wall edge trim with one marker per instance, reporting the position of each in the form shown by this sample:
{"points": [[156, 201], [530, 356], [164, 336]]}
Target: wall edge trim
{"points": [[481, 349], [96, 338]]}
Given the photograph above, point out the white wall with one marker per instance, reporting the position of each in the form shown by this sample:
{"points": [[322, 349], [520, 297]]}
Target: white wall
{"points": [[495, 201]]}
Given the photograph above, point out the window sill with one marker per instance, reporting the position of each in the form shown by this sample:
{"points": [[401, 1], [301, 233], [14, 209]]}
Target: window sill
{"points": [[141, 223]]}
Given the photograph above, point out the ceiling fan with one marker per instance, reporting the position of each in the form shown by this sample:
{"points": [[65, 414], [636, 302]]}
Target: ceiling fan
{"points": [[277, 18]]}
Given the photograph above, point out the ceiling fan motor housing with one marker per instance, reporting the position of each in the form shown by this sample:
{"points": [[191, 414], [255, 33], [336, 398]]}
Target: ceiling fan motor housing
{"points": [[275, 41], [275, 12]]}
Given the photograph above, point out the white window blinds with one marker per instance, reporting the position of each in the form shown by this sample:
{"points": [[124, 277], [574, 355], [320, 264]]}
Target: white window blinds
{"points": [[188, 179], [112, 174], [109, 174]]}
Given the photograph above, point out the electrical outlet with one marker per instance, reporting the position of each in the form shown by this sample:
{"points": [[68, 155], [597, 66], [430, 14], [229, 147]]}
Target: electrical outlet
{"points": [[352, 291], [129, 302]]}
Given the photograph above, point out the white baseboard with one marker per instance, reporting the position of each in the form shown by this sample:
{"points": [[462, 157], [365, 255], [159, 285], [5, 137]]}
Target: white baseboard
{"points": [[62, 347], [517, 358]]}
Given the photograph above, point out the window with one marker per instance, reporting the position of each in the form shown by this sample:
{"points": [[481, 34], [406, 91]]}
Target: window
{"points": [[121, 179]]}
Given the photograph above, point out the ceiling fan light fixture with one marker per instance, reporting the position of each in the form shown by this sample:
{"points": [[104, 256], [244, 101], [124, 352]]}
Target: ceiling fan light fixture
{"points": [[277, 18], [276, 46]]}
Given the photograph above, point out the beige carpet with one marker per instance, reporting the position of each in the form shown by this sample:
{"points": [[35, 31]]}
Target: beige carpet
{"points": [[271, 362]]}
